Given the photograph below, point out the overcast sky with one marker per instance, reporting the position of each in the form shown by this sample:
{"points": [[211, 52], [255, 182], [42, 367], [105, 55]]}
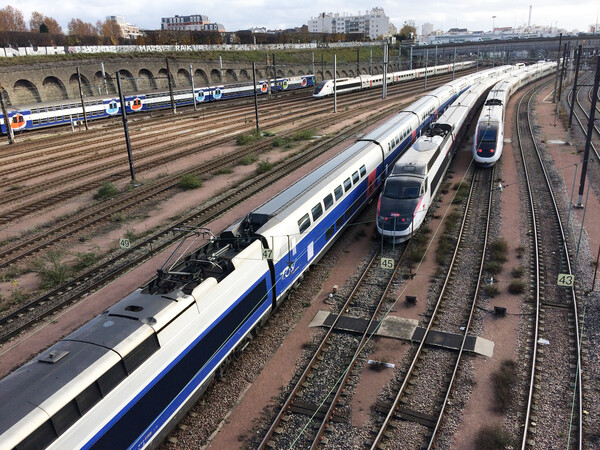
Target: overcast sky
{"points": [[244, 14]]}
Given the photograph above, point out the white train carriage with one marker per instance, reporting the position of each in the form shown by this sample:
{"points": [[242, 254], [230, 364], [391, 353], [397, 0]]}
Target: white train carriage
{"points": [[416, 177]]}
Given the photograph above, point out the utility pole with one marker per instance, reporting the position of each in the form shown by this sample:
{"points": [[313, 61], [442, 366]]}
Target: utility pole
{"points": [[334, 83], [426, 61], [81, 96], [574, 95], [590, 130], [357, 61], [385, 63], [193, 90], [104, 77], [255, 96], [274, 75], [173, 107], [124, 115], [557, 68], [9, 130], [560, 83]]}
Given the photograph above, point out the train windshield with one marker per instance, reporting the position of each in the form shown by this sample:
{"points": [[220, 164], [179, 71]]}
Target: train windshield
{"points": [[402, 188], [486, 135], [319, 87]]}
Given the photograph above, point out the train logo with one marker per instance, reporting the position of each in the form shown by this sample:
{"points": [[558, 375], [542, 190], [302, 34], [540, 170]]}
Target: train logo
{"points": [[17, 121], [263, 88], [200, 96], [288, 270], [284, 84], [304, 82], [136, 105], [112, 107], [217, 93]]}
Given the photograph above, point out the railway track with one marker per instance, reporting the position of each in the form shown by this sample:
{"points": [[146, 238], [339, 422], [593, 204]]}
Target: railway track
{"points": [[553, 412], [416, 405], [27, 315]]}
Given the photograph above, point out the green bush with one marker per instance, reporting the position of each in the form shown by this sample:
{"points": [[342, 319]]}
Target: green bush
{"points": [[223, 170], [491, 290], [517, 272], [247, 138], [305, 135], [498, 250], [53, 271], [516, 287], [462, 192], [189, 181], [248, 159], [503, 381], [84, 260], [493, 438], [263, 166], [494, 267], [106, 191]]}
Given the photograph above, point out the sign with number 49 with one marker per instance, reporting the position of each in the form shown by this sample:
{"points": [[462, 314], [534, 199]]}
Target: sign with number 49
{"points": [[124, 243], [566, 279]]}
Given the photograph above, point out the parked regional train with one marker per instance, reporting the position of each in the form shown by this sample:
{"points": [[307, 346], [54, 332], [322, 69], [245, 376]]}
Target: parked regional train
{"points": [[489, 134], [344, 85], [64, 112], [126, 378]]}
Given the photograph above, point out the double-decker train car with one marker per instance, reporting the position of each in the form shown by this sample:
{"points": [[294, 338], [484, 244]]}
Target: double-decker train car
{"points": [[64, 112], [488, 141], [126, 378], [416, 177], [344, 85]]}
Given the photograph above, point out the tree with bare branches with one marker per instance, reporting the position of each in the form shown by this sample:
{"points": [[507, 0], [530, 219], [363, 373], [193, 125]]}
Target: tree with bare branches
{"points": [[78, 27], [38, 19], [11, 19]]}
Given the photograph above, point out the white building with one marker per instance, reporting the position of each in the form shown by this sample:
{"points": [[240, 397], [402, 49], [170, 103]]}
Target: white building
{"points": [[197, 22], [373, 24], [128, 30], [427, 29]]}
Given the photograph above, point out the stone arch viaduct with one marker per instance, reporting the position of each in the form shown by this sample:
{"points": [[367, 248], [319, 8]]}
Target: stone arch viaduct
{"points": [[51, 82]]}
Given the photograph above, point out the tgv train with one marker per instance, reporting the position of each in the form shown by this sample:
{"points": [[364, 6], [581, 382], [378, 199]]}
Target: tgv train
{"points": [[417, 176], [125, 379], [64, 112], [489, 134], [344, 85]]}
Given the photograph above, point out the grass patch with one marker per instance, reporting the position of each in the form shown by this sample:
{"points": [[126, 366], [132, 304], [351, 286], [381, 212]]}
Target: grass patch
{"points": [[53, 272], [248, 138], [223, 170], [263, 166], [498, 250], [516, 287], [503, 381], [118, 217], [494, 267], [520, 251], [517, 272], [189, 181], [491, 290], [83, 260], [462, 192], [304, 135], [493, 438], [106, 191], [444, 248], [248, 159]]}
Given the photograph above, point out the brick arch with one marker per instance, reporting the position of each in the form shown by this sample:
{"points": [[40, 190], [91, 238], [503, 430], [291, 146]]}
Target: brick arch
{"points": [[201, 76], [54, 89], [128, 81], [245, 75], [146, 80], [85, 86], [99, 87], [26, 92], [183, 78], [163, 80], [215, 76], [231, 76]]}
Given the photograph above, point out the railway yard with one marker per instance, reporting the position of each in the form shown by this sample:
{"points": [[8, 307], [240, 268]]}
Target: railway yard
{"points": [[466, 341]]}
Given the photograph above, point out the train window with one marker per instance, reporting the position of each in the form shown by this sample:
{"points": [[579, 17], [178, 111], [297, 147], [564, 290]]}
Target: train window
{"points": [[42, 120], [141, 353], [363, 171], [329, 233], [65, 417], [355, 177], [338, 192], [304, 223], [347, 184], [339, 222], [317, 211], [88, 398], [328, 201], [111, 378]]}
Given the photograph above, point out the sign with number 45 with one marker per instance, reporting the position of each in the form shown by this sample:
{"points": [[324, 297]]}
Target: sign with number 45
{"points": [[387, 263]]}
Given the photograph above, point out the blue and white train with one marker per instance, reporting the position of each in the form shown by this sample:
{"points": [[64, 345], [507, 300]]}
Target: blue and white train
{"points": [[345, 85], [64, 112], [488, 141], [126, 378]]}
